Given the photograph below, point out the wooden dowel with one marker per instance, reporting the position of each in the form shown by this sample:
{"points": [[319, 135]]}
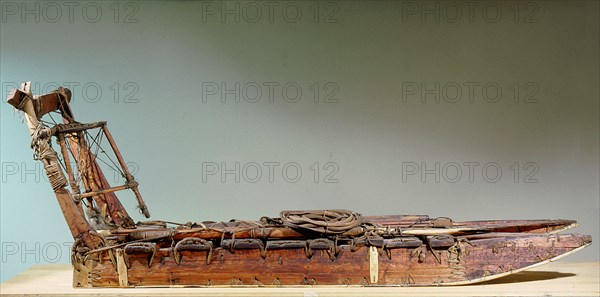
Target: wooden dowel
{"points": [[116, 150], [128, 174], [98, 192], [67, 160]]}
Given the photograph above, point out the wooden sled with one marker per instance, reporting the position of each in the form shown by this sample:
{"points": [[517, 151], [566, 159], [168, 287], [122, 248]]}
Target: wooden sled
{"points": [[315, 247]]}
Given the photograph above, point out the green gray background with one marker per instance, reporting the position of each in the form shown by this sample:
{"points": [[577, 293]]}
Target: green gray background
{"points": [[161, 53]]}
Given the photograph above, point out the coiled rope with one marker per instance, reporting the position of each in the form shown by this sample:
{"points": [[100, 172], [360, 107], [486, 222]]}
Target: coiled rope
{"points": [[335, 221], [43, 151]]}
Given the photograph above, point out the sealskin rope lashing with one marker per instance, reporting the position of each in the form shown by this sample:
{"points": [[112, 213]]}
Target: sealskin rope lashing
{"points": [[43, 151], [335, 221]]}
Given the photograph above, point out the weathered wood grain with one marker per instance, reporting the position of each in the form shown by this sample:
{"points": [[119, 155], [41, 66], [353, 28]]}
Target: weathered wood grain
{"points": [[477, 260]]}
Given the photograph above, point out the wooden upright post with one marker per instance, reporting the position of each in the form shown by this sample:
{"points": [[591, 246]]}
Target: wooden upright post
{"points": [[78, 225]]}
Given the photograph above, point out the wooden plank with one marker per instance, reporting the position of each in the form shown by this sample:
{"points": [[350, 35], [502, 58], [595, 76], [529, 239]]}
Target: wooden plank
{"points": [[374, 264], [555, 279], [463, 263], [121, 268]]}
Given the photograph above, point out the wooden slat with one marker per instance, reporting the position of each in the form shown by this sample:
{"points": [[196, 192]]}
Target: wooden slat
{"points": [[555, 279], [480, 259]]}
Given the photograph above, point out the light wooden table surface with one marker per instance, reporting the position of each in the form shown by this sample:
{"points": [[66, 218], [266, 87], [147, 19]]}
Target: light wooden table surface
{"points": [[554, 279]]}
